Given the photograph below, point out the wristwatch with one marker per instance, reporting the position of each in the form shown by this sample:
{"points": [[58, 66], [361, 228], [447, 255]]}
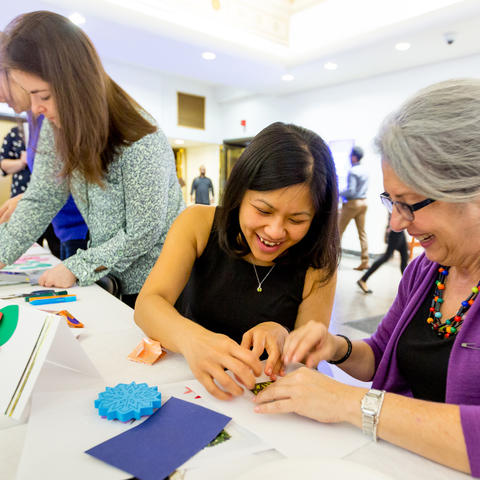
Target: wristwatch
{"points": [[371, 405]]}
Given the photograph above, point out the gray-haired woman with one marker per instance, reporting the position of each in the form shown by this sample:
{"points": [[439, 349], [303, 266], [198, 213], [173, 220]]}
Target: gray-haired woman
{"points": [[424, 358]]}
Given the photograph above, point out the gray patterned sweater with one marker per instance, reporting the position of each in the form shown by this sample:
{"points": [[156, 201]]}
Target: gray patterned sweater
{"points": [[128, 218]]}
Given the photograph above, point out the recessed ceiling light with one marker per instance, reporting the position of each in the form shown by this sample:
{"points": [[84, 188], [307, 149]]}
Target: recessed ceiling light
{"points": [[288, 77], [178, 141], [402, 46], [77, 18], [330, 66], [208, 56]]}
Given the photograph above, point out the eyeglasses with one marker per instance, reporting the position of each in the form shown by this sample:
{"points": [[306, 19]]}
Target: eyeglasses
{"points": [[404, 209]]}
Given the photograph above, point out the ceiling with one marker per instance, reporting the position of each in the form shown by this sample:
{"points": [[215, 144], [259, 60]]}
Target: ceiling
{"points": [[258, 41]]}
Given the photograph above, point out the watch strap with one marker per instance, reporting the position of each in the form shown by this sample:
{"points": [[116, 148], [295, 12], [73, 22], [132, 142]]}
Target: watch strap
{"points": [[371, 406]]}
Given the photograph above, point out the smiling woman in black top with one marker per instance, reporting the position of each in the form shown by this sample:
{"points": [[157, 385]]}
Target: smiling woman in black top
{"points": [[232, 281]]}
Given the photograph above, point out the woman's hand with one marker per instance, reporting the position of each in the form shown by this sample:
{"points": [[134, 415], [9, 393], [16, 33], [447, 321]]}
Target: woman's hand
{"points": [[269, 336], [8, 208], [58, 276], [310, 344], [209, 354], [311, 394]]}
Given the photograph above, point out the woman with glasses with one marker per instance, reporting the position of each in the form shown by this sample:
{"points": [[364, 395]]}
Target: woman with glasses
{"points": [[424, 358]]}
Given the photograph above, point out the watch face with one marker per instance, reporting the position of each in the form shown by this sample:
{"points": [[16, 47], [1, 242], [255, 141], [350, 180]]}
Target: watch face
{"points": [[369, 405]]}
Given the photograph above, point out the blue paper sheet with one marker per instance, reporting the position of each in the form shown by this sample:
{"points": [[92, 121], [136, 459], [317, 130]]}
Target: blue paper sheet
{"points": [[163, 442]]}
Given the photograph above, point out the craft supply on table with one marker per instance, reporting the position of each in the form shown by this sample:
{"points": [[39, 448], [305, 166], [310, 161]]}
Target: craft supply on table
{"points": [[28, 268], [8, 322], [34, 293], [4, 272], [260, 386], [31, 262], [71, 320], [125, 402], [13, 278], [52, 299], [164, 441], [148, 351], [44, 293]]}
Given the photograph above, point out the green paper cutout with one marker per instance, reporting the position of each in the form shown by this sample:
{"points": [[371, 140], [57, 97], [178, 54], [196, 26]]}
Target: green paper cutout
{"points": [[8, 323]]}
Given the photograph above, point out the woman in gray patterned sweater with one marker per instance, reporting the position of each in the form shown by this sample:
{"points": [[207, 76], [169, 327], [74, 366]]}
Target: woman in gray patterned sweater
{"points": [[107, 152]]}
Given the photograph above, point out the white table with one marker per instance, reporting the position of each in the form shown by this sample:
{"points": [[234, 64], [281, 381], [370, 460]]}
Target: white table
{"points": [[110, 334]]}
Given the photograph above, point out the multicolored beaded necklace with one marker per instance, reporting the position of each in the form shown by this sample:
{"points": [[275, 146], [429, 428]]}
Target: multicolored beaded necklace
{"points": [[450, 326]]}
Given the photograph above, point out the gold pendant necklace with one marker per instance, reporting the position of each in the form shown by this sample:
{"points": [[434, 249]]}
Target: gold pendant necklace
{"points": [[259, 288]]}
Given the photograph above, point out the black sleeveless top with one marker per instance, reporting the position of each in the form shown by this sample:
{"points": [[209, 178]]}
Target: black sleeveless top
{"points": [[423, 357], [221, 294]]}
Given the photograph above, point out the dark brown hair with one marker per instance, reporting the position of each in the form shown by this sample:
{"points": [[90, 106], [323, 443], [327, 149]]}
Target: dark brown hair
{"points": [[96, 116], [280, 156]]}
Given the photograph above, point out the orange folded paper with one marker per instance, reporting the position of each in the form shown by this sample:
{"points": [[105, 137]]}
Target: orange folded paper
{"points": [[148, 351], [71, 320]]}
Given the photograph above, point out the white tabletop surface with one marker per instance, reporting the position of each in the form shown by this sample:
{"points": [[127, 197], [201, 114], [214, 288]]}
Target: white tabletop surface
{"points": [[110, 334]]}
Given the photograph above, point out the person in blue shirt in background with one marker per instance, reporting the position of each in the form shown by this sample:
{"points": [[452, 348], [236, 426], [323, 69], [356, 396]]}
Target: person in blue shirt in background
{"points": [[355, 203]]}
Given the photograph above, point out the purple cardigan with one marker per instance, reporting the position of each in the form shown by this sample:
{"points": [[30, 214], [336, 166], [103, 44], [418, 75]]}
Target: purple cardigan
{"points": [[463, 374]]}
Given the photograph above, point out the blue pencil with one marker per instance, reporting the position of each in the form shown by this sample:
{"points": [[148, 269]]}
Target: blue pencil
{"points": [[45, 301]]}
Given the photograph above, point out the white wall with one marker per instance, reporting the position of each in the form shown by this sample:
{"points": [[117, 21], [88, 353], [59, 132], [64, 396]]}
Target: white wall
{"points": [[208, 156], [157, 93], [258, 112], [348, 111]]}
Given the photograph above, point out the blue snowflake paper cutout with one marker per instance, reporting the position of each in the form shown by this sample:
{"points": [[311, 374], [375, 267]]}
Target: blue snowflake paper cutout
{"points": [[127, 401]]}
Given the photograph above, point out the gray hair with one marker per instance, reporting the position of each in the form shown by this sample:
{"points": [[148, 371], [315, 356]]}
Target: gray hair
{"points": [[432, 142]]}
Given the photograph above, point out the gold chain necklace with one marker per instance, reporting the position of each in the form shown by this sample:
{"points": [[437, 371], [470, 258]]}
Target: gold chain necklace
{"points": [[259, 288]]}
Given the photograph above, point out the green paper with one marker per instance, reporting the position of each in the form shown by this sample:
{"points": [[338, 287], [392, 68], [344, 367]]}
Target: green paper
{"points": [[8, 323], [223, 436]]}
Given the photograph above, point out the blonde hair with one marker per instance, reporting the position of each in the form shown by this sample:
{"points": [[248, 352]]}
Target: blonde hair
{"points": [[432, 142]]}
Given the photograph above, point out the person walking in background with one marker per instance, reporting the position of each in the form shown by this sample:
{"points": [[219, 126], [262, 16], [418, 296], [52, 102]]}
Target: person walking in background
{"points": [[202, 186], [355, 203], [395, 241]]}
